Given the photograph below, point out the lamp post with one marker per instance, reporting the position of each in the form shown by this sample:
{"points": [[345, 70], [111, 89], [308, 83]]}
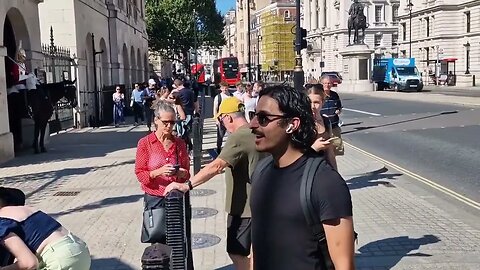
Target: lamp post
{"points": [[249, 64], [467, 48], [95, 85], [259, 66], [195, 42], [410, 7], [298, 74]]}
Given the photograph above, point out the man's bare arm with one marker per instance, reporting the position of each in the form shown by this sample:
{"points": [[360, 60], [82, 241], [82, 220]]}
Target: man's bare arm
{"points": [[340, 241]]}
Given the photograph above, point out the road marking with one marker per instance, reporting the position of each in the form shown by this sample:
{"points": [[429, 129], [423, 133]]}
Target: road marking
{"points": [[420, 178], [359, 111]]}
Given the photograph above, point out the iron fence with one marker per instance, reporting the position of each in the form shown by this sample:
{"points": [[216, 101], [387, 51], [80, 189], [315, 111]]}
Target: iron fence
{"points": [[58, 64]]}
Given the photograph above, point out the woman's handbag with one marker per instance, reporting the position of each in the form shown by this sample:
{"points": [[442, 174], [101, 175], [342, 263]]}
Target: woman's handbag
{"points": [[154, 229]]}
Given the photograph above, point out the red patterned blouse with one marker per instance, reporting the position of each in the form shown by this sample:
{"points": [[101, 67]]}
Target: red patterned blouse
{"points": [[151, 155]]}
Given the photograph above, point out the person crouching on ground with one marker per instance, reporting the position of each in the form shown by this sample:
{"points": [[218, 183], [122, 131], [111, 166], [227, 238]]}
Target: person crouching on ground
{"points": [[161, 159], [37, 241]]}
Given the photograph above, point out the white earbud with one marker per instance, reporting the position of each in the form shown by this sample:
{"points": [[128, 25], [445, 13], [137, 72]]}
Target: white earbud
{"points": [[289, 129]]}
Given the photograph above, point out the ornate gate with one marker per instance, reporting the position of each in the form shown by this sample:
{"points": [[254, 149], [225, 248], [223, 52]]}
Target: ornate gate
{"points": [[58, 65]]}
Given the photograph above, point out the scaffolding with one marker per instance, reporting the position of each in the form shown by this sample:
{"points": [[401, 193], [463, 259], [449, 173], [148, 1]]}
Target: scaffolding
{"points": [[277, 46]]}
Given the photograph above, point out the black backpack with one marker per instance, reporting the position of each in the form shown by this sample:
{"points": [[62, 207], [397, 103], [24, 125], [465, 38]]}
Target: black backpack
{"points": [[314, 164]]}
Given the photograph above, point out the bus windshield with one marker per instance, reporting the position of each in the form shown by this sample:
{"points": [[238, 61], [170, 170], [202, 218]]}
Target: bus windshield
{"points": [[230, 67]]}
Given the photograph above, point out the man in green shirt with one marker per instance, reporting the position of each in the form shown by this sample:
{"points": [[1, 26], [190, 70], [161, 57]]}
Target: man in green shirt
{"points": [[239, 158]]}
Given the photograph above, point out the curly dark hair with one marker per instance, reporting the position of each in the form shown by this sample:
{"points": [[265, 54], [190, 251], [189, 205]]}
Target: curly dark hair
{"points": [[294, 103]]}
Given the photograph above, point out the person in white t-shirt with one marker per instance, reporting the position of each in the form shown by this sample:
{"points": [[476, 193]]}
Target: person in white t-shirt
{"points": [[240, 90], [216, 104]]}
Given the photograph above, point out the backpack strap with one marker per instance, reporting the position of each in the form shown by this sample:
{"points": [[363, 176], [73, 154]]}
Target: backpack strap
{"points": [[314, 164], [260, 168]]}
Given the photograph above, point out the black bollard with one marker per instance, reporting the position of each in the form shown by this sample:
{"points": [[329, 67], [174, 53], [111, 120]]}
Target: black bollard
{"points": [[156, 256], [197, 145], [176, 231]]}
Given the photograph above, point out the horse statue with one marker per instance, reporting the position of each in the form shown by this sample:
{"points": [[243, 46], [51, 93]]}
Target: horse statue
{"points": [[41, 103], [357, 21]]}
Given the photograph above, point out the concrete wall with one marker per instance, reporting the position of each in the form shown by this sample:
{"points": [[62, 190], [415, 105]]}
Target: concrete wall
{"points": [[25, 22]]}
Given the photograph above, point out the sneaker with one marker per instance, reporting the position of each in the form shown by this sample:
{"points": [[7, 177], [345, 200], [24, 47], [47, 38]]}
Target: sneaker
{"points": [[135, 124]]}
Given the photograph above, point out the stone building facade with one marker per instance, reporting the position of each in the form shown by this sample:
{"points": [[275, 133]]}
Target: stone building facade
{"points": [[445, 37], [326, 22], [115, 29], [20, 25]]}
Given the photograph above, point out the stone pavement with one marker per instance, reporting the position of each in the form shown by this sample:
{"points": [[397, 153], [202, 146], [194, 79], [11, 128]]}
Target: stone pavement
{"points": [[400, 226]]}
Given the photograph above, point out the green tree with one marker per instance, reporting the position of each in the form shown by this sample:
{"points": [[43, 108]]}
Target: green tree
{"points": [[171, 26]]}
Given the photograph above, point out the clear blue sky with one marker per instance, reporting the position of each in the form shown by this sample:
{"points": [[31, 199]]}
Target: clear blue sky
{"points": [[225, 5]]}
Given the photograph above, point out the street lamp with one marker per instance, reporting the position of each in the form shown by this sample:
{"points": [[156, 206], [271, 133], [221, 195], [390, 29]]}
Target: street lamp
{"points": [[298, 74], [259, 66], [467, 48], [410, 7], [249, 64]]}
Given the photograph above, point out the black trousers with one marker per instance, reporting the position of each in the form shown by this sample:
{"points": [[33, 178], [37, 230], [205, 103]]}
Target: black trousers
{"points": [[138, 111], [221, 130], [154, 202], [149, 116]]}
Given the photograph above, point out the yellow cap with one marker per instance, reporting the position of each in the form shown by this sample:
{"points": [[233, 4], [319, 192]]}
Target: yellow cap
{"points": [[230, 105]]}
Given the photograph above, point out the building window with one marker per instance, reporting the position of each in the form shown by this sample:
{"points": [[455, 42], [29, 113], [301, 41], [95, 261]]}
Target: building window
{"points": [[404, 31], [378, 40], [404, 53], [394, 40], [467, 19], [427, 24], [427, 52], [121, 5], [395, 14], [287, 14], [378, 13]]}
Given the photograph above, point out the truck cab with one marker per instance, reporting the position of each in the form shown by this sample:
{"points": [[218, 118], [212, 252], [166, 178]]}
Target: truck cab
{"points": [[397, 74]]}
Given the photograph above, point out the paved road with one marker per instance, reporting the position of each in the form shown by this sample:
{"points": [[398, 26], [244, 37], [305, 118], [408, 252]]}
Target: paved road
{"points": [[436, 141], [453, 91]]}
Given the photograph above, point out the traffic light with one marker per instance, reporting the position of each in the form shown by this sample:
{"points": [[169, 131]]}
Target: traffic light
{"points": [[303, 44]]}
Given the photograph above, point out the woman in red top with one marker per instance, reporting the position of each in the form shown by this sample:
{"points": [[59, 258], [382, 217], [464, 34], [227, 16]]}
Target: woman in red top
{"points": [[161, 159]]}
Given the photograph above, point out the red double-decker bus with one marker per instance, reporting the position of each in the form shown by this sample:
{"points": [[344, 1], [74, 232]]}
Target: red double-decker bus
{"points": [[198, 70], [226, 69]]}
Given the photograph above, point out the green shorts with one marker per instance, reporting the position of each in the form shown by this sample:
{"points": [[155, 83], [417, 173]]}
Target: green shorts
{"points": [[67, 253]]}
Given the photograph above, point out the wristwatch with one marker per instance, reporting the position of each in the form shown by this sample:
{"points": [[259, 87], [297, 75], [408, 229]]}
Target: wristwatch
{"points": [[189, 184]]}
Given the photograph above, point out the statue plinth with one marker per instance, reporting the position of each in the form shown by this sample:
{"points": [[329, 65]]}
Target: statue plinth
{"points": [[356, 69]]}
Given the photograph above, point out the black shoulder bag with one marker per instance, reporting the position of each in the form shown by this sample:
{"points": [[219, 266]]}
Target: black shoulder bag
{"points": [[154, 217]]}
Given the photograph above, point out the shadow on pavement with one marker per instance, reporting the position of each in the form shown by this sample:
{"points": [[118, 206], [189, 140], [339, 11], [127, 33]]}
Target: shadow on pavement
{"points": [[46, 179], [386, 253], [109, 264], [372, 180], [77, 144], [100, 204]]}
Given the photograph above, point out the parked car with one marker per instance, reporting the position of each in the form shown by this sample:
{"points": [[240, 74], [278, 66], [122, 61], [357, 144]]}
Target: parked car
{"points": [[335, 77]]}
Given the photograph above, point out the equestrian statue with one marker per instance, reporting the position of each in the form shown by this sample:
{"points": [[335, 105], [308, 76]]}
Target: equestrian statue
{"points": [[357, 21], [27, 98]]}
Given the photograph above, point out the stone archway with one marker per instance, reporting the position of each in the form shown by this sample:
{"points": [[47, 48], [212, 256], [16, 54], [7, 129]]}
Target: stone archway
{"points": [[139, 67], [146, 66], [133, 64], [15, 33], [126, 67], [104, 63]]}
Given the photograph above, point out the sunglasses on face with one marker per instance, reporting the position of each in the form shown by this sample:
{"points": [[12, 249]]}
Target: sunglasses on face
{"points": [[167, 122], [264, 118]]}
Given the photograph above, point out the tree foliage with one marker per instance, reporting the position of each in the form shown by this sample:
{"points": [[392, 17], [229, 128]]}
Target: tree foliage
{"points": [[171, 25]]}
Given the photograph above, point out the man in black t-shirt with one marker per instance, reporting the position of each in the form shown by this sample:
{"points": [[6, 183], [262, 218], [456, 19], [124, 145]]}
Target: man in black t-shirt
{"points": [[187, 96], [284, 126]]}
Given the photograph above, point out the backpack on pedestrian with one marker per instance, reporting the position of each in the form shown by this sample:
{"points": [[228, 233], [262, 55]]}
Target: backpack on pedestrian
{"points": [[315, 164]]}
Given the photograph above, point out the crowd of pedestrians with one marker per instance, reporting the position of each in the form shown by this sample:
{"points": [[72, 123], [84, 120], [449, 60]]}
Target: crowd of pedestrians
{"points": [[275, 135]]}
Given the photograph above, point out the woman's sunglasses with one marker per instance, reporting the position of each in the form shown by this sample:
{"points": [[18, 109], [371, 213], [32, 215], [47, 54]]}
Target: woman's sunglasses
{"points": [[264, 118]]}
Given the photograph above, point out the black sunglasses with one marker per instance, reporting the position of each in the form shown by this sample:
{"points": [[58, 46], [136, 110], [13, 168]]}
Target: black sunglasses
{"points": [[309, 85], [167, 122], [264, 118]]}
